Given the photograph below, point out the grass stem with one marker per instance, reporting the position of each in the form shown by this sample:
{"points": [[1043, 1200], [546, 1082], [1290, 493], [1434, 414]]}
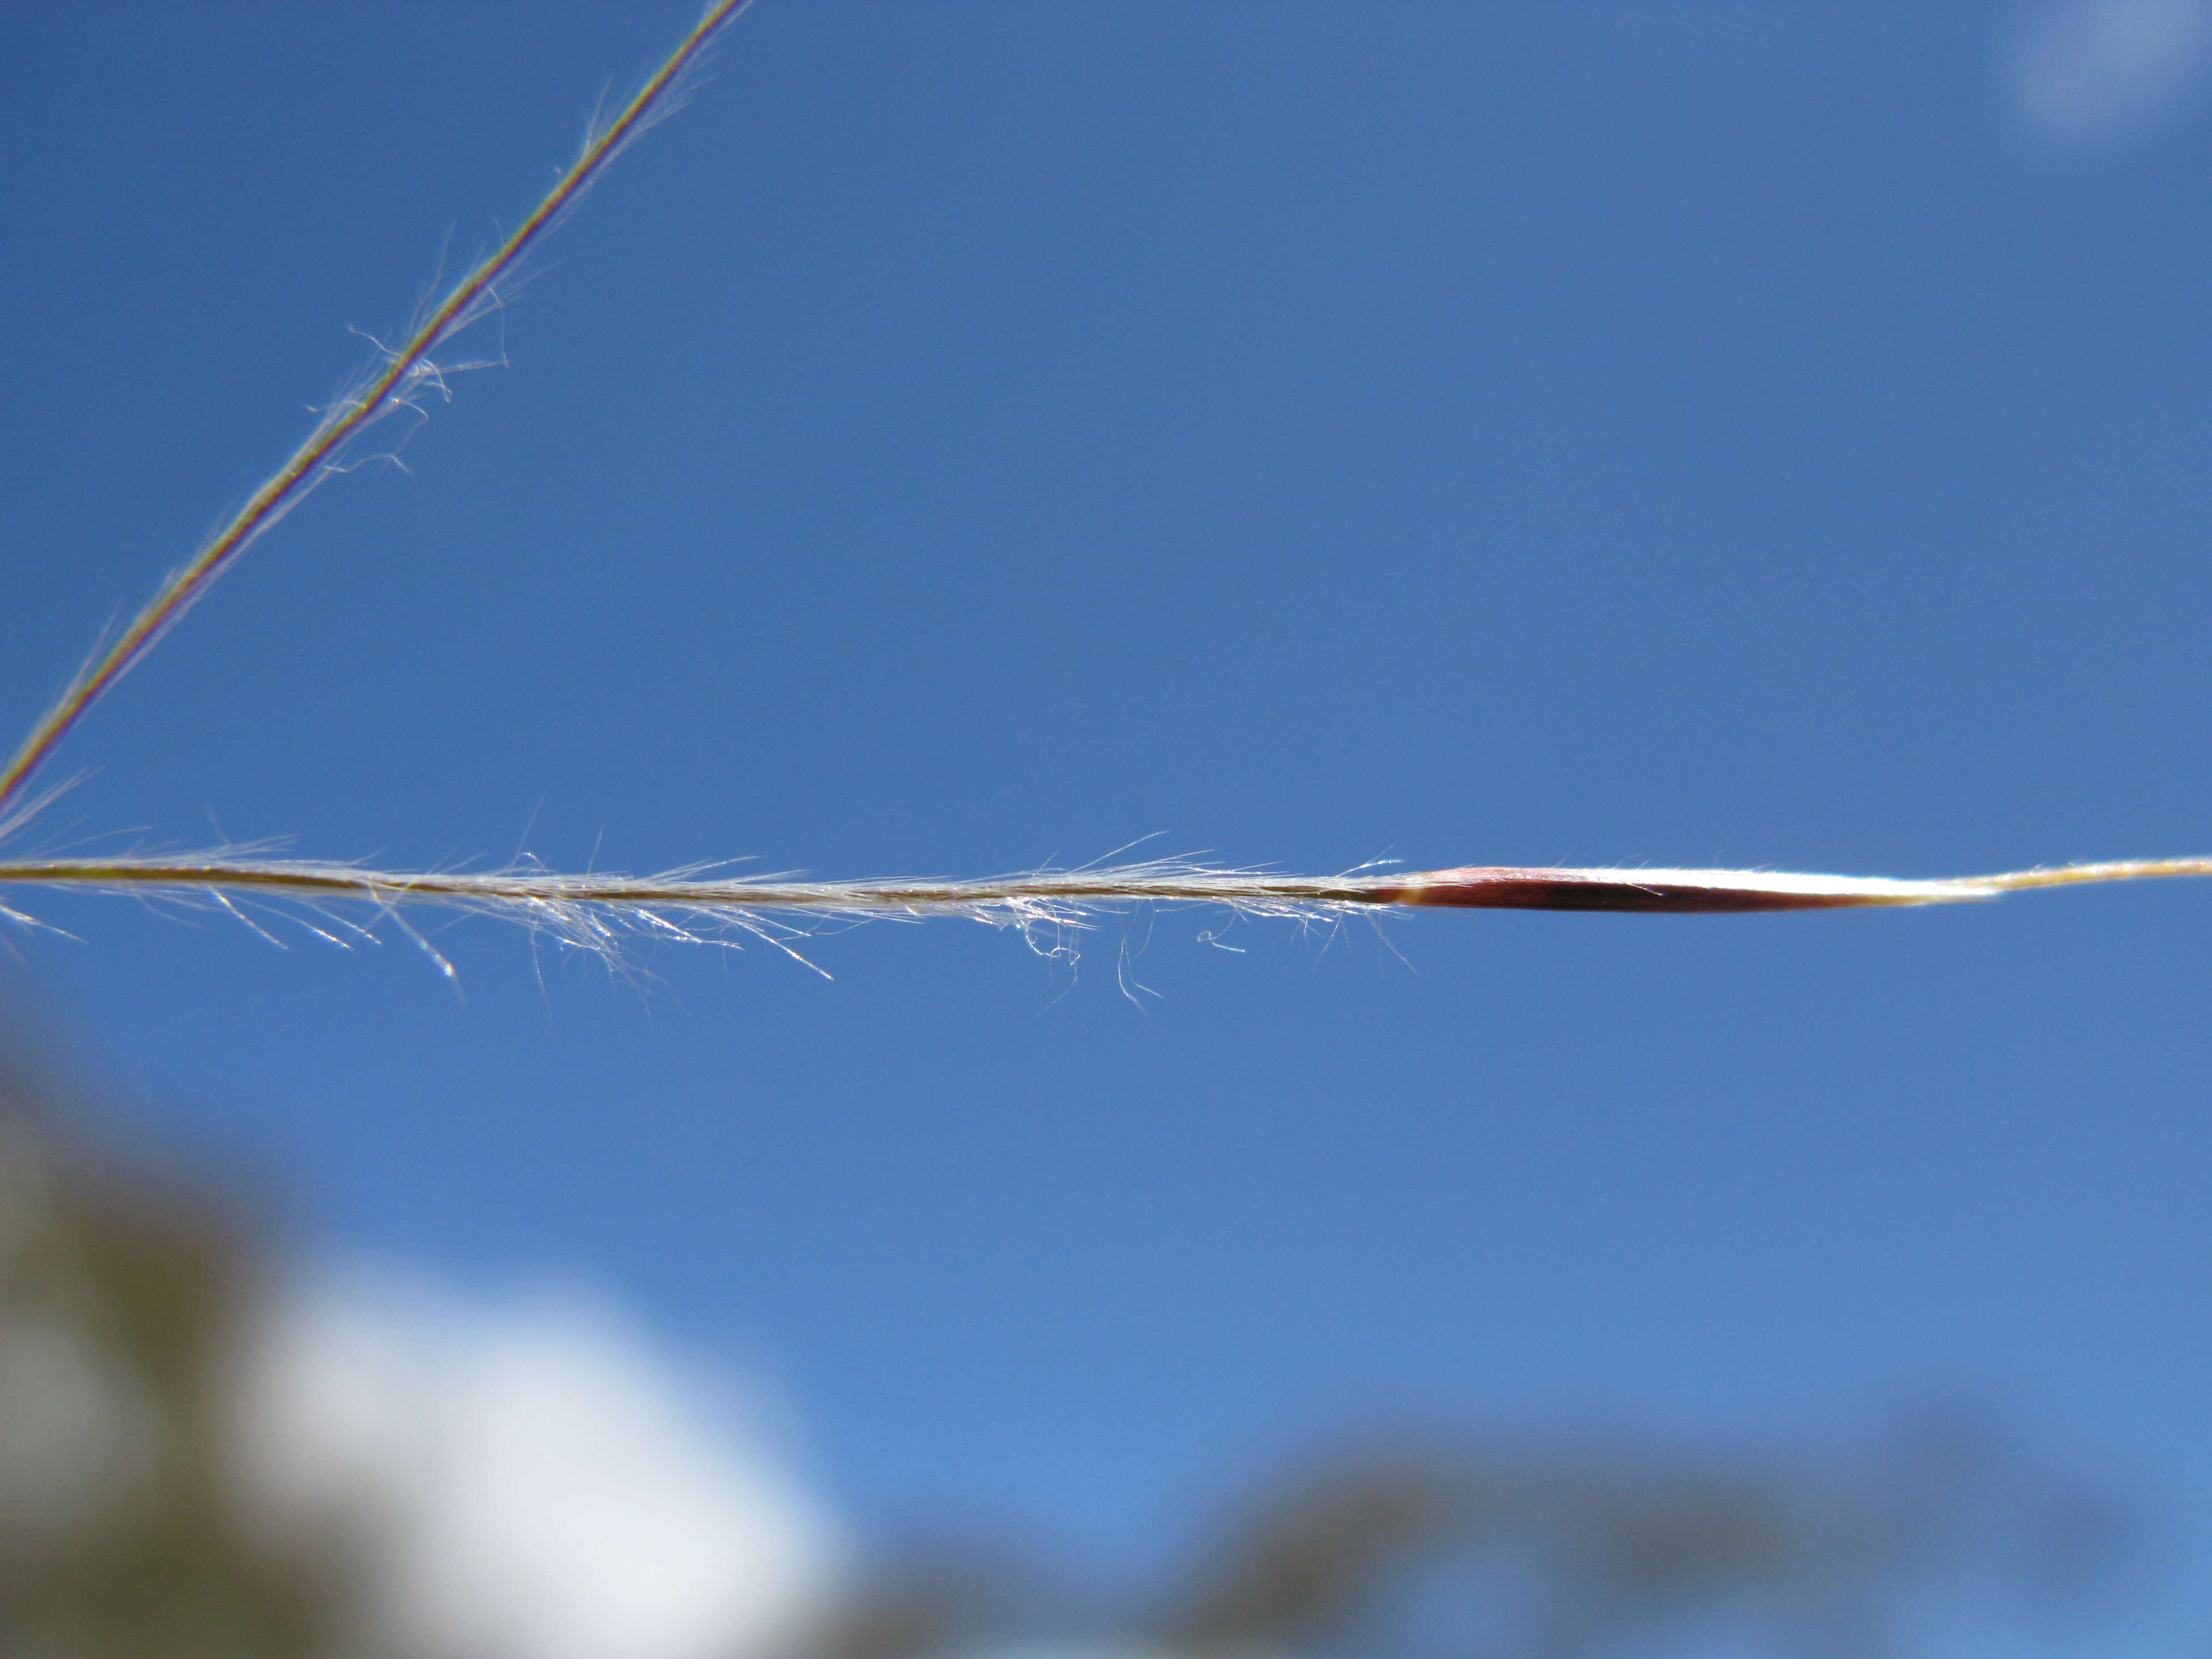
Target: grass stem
{"points": [[404, 372]]}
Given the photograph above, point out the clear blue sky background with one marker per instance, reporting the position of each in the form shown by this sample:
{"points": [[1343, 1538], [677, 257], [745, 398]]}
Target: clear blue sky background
{"points": [[975, 435]]}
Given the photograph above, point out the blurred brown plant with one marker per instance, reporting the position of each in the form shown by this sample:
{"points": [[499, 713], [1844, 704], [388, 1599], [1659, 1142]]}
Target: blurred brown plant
{"points": [[121, 1294], [1575, 1548], [127, 1298]]}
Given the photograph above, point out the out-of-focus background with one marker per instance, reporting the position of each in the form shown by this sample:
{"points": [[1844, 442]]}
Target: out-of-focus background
{"points": [[974, 436]]}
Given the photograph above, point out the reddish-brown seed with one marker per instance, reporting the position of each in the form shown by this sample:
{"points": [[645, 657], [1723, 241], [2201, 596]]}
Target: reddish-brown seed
{"points": [[1484, 887]]}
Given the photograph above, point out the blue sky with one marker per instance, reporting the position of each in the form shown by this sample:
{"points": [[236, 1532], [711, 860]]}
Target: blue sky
{"points": [[978, 434]]}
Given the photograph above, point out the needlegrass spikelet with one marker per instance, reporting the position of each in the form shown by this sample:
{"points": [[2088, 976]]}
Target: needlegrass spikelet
{"points": [[600, 912]]}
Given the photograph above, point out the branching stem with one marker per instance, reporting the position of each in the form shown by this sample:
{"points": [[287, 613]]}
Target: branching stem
{"points": [[594, 911]]}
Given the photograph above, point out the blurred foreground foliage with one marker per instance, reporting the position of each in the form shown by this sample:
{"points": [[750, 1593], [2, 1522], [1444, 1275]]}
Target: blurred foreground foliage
{"points": [[121, 1295], [124, 1295], [1576, 1549]]}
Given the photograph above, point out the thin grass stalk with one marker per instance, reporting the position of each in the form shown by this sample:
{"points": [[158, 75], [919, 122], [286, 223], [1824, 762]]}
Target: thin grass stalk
{"points": [[406, 370], [589, 910], [598, 911]]}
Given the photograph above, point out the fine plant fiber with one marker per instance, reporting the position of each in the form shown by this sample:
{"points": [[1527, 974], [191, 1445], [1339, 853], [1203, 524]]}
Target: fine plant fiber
{"points": [[395, 380], [703, 903]]}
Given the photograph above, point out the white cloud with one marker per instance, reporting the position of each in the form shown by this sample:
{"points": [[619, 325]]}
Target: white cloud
{"points": [[2086, 71], [528, 1482]]}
